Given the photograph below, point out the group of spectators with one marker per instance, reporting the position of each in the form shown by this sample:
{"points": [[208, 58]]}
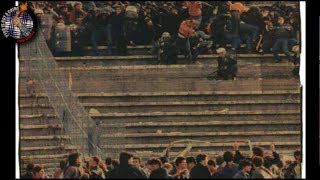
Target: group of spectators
{"points": [[231, 165], [187, 27]]}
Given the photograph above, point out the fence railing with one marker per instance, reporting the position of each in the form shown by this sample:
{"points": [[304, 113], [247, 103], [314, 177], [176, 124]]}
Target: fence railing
{"points": [[41, 66]]}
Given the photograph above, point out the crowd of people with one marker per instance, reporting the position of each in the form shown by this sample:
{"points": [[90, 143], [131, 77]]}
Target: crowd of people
{"points": [[171, 27], [232, 164]]}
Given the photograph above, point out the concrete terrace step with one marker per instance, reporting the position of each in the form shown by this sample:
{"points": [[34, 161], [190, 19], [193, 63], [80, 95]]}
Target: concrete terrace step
{"points": [[208, 123], [200, 144], [190, 84], [44, 126], [46, 140], [49, 137], [182, 118], [205, 126], [47, 156], [184, 103], [37, 116], [141, 59], [46, 148], [118, 138], [104, 97], [89, 58], [202, 134], [245, 70], [179, 93], [42, 129], [200, 113], [43, 150], [176, 106]]}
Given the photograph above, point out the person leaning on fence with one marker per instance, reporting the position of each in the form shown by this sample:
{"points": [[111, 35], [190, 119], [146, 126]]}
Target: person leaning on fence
{"points": [[227, 65]]}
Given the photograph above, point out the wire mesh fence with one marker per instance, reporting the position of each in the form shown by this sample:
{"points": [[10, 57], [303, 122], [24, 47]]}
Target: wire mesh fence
{"points": [[78, 125]]}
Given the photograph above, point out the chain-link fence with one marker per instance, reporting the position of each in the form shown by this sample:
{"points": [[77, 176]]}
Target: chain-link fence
{"points": [[41, 66]]}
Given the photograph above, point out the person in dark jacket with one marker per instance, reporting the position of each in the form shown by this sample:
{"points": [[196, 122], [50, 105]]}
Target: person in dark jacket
{"points": [[282, 34], [157, 172], [244, 170], [191, 162], [118, 30], [200, 171], [167, 53], [113, 169], [126, 169], [230, 168], [219, 30], [227, 65], [294, 169], [235, 28], [100, 27], [28, 174]]}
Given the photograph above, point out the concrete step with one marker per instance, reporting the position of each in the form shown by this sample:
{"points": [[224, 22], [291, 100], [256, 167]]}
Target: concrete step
{"points": [[245, 70], [207, 144], [205, 116], [35, 120], [134, 138], [170, 96], [40, 130], [201, 84], [43, 150], [38, 121], [45, 140], [173, 106], [87, 61], [199, 113], [196, 108], [182, 134], [209, 126], [50, 157]]}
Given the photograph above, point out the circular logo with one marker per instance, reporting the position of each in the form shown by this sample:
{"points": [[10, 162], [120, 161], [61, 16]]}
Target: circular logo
{"points": [[19, 24]]}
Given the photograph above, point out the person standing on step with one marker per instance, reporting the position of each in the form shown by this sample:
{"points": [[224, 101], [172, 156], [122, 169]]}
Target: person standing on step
{"points": [[282, 33], [186, 30]]}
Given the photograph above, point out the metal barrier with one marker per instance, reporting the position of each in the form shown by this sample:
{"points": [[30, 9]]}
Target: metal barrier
{"points": [[77, 123]]}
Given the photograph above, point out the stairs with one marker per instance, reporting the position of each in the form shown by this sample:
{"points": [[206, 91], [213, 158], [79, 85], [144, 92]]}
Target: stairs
{"points": [[143, 107]]}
